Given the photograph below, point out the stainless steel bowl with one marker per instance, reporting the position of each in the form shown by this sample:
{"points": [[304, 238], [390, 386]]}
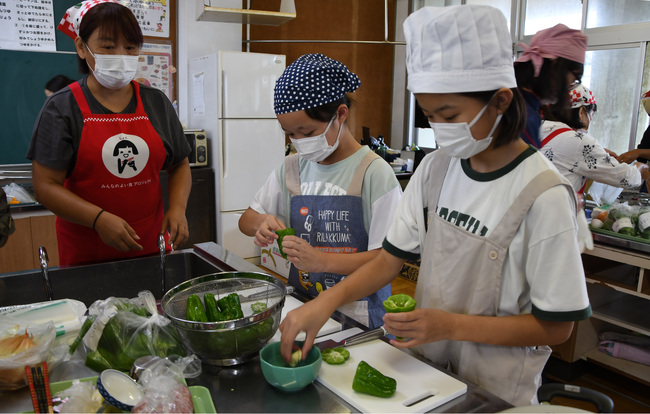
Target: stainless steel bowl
{"points": [[229, 342]]}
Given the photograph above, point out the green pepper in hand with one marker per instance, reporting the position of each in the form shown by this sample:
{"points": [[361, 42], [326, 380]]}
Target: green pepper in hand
{"points": [[368, 380], [281, 233], [399, 303], [195, 310], [335, 356]]}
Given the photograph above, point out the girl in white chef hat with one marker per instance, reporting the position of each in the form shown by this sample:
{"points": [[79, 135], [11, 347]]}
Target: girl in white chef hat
{"points": [[490, 217]]}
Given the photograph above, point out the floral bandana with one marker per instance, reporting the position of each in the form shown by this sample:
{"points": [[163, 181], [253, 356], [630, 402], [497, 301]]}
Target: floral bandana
{"points": [[72, 19], [581, 96]]}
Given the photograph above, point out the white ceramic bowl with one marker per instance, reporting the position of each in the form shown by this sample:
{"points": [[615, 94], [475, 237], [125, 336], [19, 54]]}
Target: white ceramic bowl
{"points": [[119, 390]]}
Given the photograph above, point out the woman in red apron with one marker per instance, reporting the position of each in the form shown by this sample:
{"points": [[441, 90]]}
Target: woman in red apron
{"points": [[105, 187]]}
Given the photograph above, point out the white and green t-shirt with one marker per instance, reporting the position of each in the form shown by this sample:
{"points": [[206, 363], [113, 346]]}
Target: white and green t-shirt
{"points": [[543, 272], [380, 193]]}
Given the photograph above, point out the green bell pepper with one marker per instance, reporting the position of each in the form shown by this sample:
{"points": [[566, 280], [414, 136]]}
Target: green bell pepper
{"points": [[368, 380], [281, 233], [230, 307], [399, 303], [211, 308], [335, 356], [195, 311]]}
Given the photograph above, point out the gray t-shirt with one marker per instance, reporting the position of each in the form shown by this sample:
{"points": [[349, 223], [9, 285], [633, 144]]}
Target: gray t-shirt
{"points": [[57, 131]]}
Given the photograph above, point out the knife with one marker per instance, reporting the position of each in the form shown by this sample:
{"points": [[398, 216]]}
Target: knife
{"points": [[359, 338]]}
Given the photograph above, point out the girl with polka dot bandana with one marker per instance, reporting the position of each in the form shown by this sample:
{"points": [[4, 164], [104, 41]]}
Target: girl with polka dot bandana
{"points": [[338, 195]]}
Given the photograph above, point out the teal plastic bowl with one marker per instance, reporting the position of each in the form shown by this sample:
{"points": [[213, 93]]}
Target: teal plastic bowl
{"points": [[279, 374]]}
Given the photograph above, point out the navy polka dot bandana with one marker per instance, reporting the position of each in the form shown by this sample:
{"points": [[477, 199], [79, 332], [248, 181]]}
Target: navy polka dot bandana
{"points": [[311, 81]]}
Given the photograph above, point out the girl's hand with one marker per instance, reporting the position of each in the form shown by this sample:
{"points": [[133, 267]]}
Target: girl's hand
{"points": [[265, 233], [303, 255], [308, 318], [116, 232], [419, 327]]}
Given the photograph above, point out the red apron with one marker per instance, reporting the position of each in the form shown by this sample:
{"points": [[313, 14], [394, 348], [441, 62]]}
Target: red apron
{"points": [[118, 169]]}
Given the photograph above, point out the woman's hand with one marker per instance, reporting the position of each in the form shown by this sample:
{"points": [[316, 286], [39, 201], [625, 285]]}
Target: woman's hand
{"points": [[303, 255], [630, 156], [175, 222], [116, 232], [419, 327]]}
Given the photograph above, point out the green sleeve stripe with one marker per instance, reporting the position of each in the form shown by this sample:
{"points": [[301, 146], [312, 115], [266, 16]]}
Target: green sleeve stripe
{"points": [[399, 253], [570, 316]]}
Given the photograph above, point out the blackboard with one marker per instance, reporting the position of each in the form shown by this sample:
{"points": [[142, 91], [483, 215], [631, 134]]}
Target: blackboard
{"points": [[23, 75]]}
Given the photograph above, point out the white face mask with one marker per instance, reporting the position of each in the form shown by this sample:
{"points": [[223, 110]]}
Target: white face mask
{"points": [[456, 139], [316, 148], [114, 71]]}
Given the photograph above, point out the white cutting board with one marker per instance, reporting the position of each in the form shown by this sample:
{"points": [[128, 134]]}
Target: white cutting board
{"points": [[415, 379], [291, 303]]}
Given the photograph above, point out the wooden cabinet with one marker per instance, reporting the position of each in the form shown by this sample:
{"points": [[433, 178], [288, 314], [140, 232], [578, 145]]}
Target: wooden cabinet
{"points": [[21, 250], [618, 282]]}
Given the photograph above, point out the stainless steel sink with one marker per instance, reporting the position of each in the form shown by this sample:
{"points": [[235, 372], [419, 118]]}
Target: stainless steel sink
{"points": [[124, 278]]}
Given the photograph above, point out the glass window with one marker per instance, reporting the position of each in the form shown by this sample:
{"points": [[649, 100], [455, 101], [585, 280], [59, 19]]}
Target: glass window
{"points": [[438, 3], [542, 14], [611, 75], [601, 13], [503, 5]]}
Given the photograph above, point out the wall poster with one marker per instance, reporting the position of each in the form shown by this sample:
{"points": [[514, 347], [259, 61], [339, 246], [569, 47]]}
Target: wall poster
{"points": [[153, 16], [27, 25], [155, 67]]}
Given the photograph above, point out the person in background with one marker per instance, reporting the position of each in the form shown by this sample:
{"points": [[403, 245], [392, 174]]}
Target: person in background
{"points": [[106, 120], [490, 217], [642, 152], [57, 83], [576, 154], [338, 195], [545, 70], [7, 225]]}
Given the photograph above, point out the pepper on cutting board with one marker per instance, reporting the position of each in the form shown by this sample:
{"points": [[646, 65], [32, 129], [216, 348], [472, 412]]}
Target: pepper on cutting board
{"points": [[335, 356], [368, 380]]}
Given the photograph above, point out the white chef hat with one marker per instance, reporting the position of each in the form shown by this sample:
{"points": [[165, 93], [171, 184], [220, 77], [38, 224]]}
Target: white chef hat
{"points": [[458, 49]]}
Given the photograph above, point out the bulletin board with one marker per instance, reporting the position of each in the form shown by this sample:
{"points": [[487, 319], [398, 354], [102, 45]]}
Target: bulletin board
{"points": [[23, 75]]}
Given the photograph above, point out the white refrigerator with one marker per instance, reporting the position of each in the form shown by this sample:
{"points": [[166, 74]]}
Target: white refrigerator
{"points": [[231, 98]]}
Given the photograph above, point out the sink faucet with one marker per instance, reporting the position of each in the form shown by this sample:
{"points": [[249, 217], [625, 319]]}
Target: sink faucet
{"points": [[42, 255], [161, 248]]}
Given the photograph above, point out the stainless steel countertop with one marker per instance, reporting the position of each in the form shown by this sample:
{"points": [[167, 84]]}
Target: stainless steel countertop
{"points": [[242, 388]]}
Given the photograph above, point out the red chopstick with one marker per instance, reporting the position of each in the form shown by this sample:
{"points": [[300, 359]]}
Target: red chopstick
{"points": [[46, 384]]}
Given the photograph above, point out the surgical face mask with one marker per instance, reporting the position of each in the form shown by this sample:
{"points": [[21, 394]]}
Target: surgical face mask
{"points": [[316, 148], [114, 71], [456, 139]]}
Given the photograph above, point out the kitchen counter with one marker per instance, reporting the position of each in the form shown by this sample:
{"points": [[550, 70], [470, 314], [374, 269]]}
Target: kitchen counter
{"points": [[242, 388]]}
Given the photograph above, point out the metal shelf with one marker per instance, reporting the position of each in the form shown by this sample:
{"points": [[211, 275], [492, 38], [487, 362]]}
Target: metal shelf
{"points": [[247, 16]]}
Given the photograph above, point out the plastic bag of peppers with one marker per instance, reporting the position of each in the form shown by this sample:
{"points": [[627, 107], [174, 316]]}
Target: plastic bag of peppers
{"points": [[118, 331]]}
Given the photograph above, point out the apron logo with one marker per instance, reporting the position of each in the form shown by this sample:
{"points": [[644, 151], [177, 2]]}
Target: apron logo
{"points": [[304, 211], [125, 155]]}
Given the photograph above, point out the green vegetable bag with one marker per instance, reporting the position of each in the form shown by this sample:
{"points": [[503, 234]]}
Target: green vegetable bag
{"points": [[127, 329]]}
